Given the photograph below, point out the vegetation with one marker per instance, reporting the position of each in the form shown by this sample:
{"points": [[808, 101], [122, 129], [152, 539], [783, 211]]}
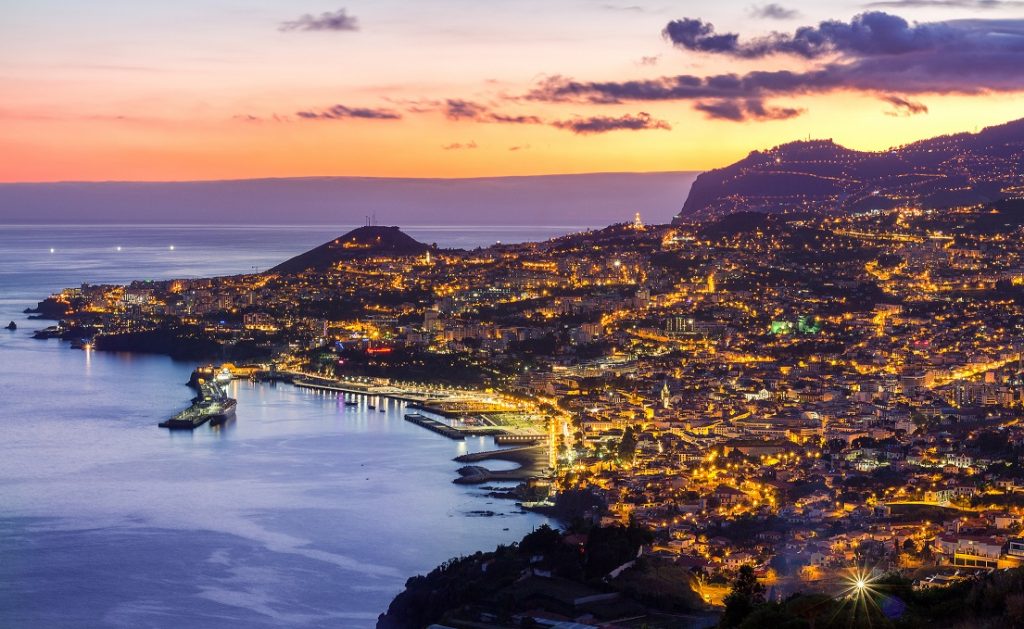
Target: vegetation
{"points": [[990, 601], [551, 570]]}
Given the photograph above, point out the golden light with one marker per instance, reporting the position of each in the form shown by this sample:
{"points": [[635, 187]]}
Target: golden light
{"points": [[860, 584]]}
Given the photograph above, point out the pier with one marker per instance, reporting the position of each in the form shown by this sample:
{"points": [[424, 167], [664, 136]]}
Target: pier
{"points": [[432, 424], [519, 439], [474, 413]]}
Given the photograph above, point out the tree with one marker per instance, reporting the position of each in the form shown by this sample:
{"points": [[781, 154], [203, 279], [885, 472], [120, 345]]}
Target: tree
{"points": [[745, 595], [627, 446]]}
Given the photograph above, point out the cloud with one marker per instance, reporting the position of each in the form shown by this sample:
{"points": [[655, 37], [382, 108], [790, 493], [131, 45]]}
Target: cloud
{"points": [[874, 33], [874, 53], [651, 60], [456, 146], [946, 4], [904, 107], [740, 111], [259, 119], [686, 87], [338, 20], [698, 35], [773, 11], [630, 8], [458, 109], [520, 147], [604, 124], [339, 112]]}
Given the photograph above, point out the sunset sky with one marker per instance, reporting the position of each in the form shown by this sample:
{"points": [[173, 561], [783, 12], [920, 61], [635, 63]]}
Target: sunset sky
{"points": [[212, 89]]}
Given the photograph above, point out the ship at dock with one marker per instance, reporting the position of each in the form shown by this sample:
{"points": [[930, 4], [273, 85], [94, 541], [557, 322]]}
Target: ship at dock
{"points": [[211, 405]]}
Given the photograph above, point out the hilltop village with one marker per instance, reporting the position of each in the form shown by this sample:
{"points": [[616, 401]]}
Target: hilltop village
{"points": [[795, 393]]}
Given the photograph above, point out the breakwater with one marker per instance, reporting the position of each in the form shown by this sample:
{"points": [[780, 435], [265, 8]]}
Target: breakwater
{"points": [[532, 461]]}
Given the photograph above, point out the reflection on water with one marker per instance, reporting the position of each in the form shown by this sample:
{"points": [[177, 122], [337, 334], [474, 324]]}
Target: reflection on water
{"points": [[301, 512]]}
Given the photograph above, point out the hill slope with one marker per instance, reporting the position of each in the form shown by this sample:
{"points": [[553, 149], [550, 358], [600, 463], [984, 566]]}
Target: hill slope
{"points": [[360, 242], [821, 176]]}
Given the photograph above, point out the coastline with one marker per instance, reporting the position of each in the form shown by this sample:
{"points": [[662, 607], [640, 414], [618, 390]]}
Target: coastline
{"points": [[201, 496]]}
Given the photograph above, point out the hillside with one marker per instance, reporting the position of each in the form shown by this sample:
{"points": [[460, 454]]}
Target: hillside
{"points": [[552, 576], [822, 176], [360, 242]]}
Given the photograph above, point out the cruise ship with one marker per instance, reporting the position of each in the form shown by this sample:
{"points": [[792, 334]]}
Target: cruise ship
{"points": [[211, 405]]}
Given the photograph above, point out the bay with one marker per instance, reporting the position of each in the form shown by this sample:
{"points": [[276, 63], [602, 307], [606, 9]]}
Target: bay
{"points": [[303, 512]]}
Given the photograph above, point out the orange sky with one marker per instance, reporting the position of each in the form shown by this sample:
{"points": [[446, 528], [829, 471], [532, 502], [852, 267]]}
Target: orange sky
{"points": [[122, 90]]}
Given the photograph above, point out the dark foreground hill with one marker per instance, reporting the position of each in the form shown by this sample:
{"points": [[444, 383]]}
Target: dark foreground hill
{"points": [[552, 576], [360, 242], [821, 176]]}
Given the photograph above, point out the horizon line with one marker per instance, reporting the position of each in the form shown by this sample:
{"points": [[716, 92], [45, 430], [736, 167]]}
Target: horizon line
{"points": [[365, 177]]}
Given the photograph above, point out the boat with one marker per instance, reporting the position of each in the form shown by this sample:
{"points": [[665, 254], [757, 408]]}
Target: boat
{"points": [[371, 407], [351, 403], [224, 377], [12, 326], [211, 405], [228, 412]]}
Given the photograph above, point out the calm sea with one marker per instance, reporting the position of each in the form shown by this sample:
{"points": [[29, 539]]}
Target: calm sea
{"points": [[301, 513]]}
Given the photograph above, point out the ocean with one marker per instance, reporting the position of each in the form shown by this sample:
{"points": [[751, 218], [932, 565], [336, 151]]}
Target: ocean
{"points": [[303, 512]]}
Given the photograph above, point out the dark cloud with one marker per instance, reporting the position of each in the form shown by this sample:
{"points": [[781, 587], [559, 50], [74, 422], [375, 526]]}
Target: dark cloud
{"points": [[874, 33], [687, 87], [338, 20], [773, 12], [903, 106], [875, 53], [604, 124], [339, 112], [458, 109], [694, 34], [456, 146], [740, 110], [946, 4]]}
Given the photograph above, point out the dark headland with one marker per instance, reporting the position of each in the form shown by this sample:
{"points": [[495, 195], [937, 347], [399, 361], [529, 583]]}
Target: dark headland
{"points": [[359, 243]]}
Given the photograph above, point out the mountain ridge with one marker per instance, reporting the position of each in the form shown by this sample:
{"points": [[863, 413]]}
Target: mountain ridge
{"points": [[822, 176]]}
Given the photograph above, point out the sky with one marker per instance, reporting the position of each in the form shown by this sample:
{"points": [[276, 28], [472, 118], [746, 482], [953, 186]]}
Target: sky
{"points": [[224, 89]]}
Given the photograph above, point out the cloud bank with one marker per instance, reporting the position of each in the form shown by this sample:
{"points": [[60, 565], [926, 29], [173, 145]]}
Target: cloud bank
{"points": [[875, 52]]}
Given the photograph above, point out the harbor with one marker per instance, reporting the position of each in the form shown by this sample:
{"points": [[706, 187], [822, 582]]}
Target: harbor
{"points": [[469, 413], [452, 413]]}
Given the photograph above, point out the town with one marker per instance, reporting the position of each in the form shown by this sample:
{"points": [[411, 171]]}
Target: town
{"points": [[797, 393]]}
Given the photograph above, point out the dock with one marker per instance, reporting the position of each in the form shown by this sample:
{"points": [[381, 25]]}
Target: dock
{"points": [[520, 439], [430, 423]]}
